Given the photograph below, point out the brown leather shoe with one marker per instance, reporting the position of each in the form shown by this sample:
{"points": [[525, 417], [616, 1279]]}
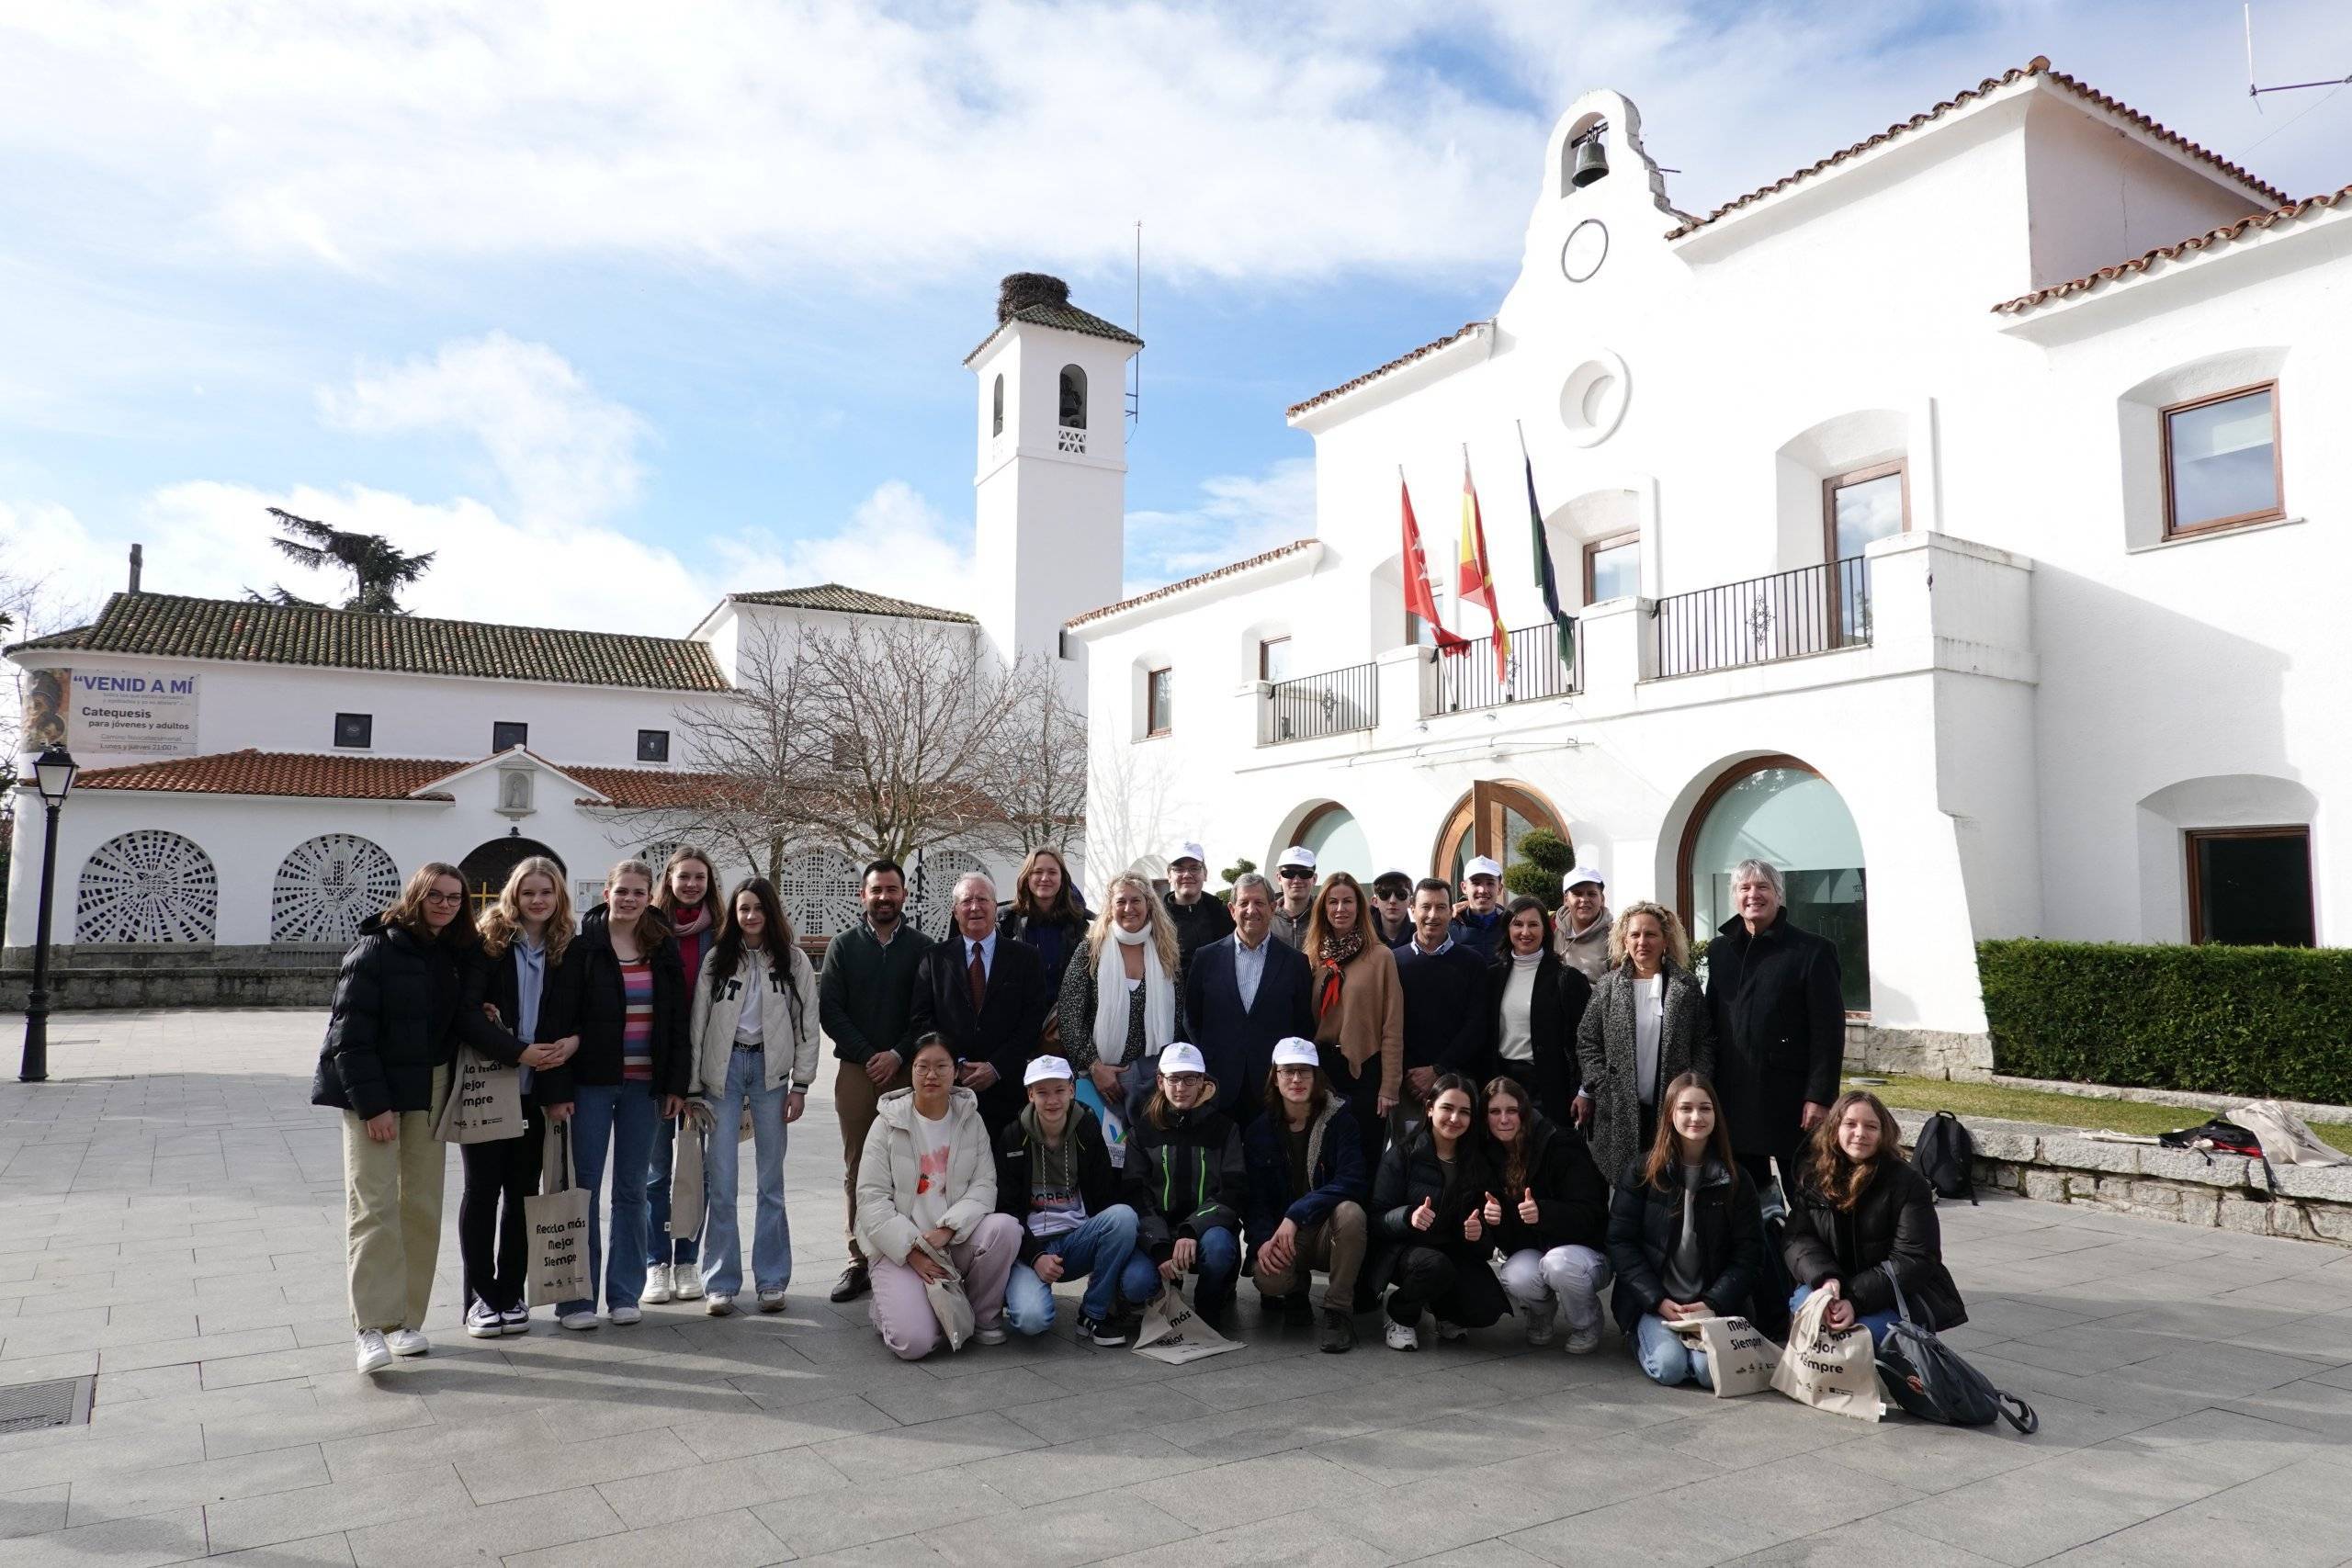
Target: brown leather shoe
{"points": [[854, 1282]]}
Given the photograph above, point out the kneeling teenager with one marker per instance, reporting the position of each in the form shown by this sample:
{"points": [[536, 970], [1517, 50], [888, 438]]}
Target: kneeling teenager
{"points": [[1307, 1190], [1185, 1182], [1054, 1175], [1429, 1198], [1859, 1206], [1685, 1235], [1548, 1214]]}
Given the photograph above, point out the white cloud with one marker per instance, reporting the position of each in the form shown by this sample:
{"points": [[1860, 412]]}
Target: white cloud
{"points": [[894, 541], [1238, 515]]}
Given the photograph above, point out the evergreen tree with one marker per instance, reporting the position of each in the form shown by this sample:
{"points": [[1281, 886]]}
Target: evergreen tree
{"points": [[377, 569]]}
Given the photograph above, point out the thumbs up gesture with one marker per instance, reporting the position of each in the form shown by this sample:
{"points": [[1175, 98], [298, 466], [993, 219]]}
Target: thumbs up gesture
{"points": [[1527, 1209], [1425, 1216], [1493, 1212], [1472, 1226]]}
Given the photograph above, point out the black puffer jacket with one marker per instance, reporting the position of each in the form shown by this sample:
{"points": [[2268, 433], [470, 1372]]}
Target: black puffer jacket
{"points": [[1646, 1222], [401, 1007], [1571, 1196], [1184, 1179], [1411, 1171], [559, 1011], [604, 1010], [1894, 1219]]}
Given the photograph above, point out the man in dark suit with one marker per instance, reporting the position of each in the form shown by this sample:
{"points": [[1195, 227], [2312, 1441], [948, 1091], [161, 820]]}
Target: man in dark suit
{"points": [[988, 998], [1244, 993]]}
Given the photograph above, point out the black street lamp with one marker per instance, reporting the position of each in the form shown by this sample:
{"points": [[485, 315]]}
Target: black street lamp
{"points": [[53, 772]]}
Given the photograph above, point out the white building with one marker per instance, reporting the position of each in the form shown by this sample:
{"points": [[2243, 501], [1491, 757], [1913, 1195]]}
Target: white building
{"points": [[255, 779], [1955, 523]]}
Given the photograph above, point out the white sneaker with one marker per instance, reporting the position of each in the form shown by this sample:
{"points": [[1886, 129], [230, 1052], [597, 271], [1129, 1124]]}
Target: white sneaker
{"points": [[1584, 1341], [624, 1315], [1452, 1333], [1403, 1336], [374, 1354], [517, 1321], [1540, 1322], [408, 1342], [484, 1321], [688, 1286], [580, 1321], [988, 1336], [656, 1286], [771, 1301], [718, 1305]]}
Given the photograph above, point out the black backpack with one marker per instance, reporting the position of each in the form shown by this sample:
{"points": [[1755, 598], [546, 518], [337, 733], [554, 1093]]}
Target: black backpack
{"points": [[1929, 1380], [1946, 1155]]}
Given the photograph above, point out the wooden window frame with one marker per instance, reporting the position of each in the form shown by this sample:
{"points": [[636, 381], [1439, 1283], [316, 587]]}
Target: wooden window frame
{"points": [[1609, 542], [1480, 817], [1265, 643], [2192, 837], [1835, 483], [366, 727], [2277, 463], [1154, 732]]}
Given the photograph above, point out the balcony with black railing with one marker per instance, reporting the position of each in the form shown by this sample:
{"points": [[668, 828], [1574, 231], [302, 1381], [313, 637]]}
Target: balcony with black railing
{"points": [[1338, 702], [1791, 615], [1533, 670]]}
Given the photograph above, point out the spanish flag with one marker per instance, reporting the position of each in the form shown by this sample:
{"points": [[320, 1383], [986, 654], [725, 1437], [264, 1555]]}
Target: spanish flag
{"points": [[1477, 586]]}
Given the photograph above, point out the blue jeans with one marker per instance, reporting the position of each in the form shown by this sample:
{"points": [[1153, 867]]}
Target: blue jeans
{"points": [[1878, 1322], [622, 1116], [1217, 1268], [659, 1248], [1097, 1252], [1667, 1357], [722, 1255]]}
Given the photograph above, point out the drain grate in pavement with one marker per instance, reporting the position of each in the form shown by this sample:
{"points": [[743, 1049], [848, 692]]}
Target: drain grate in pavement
{"points": [[29, 1407]]}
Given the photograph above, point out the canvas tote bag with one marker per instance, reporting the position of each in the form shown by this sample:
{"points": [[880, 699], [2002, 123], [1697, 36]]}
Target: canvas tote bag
{"points": [[556, 1220], [692, 1146], [1173, 1333], [948, 1302], [1837, 1373], [485, 1101], [1739, 1357]]}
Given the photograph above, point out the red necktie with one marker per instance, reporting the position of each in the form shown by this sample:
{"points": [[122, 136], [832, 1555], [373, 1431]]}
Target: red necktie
{"points": [[979, 980]]}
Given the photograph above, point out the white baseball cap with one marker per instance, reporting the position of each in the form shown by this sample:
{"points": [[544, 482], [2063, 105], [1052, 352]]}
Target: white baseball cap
{"points": [[1043, 1068], [1480, 866], [1188, 851], [1297, 854], [1181, 1058], [1582, 875], [1297, 1053]]}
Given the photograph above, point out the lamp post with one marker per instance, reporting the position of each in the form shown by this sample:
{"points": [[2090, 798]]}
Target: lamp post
{"points": [[53, 772]]}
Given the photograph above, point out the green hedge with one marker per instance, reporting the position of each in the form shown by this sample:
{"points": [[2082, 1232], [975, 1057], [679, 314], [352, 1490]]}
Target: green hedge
{"points": [[2254, 1021]]}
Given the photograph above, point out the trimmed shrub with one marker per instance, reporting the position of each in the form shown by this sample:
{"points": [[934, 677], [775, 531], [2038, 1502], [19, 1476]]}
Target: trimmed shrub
{"points": [[1543, 859], [2260, 1021]]}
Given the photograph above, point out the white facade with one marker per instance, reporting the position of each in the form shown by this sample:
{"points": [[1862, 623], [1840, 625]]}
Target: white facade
{"points": [[2025, 698]]}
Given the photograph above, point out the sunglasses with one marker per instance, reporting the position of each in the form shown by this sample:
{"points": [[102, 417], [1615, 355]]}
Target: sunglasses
{"points": [[1295, 874]]}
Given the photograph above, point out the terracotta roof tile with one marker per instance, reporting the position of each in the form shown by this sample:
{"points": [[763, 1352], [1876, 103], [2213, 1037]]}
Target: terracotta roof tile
{"points": [[330, 776], [2038, 66], [2212, 239], [169, 625], [851, 601], [1344, 388], [1173, 587]]}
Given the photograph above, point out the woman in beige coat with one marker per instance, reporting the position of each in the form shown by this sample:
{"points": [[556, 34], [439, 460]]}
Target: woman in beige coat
{"points": [[1359, 1009]]}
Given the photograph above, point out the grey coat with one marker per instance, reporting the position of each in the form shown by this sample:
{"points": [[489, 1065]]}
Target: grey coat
{"points": [[1606, 1053]]}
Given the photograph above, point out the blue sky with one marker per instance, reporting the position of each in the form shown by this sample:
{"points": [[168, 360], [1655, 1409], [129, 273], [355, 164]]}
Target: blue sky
{"points": [[619, 305]]}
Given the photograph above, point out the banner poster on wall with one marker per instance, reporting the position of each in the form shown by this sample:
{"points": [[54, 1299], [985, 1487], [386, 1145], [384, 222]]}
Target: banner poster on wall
{"points": [[111, 712]]}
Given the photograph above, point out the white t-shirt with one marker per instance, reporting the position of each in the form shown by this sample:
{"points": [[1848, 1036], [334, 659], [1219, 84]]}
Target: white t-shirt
{"points": [[930, 1164], [747, 1022], [1649, 1021]]}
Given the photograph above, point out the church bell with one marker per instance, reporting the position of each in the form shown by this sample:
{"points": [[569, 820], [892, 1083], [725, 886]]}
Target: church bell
{"points": [[1592, 162]]}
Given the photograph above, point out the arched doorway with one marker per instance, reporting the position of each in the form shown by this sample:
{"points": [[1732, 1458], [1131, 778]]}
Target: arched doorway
{"points": [[485, 870], [1492, 820], [1338, 840], [1780, 809]]}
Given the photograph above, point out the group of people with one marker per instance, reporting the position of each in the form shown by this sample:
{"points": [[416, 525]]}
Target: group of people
{"points": [[1453, 1109]]}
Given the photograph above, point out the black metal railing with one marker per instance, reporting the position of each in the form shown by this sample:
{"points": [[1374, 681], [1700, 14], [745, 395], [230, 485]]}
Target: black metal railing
{"points": [[1815, 609], [1469, 679], [1338, 702]]}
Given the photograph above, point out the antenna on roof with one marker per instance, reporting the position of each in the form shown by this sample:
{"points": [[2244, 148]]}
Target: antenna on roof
{"points": [[2255, 92], [1134, 392]]}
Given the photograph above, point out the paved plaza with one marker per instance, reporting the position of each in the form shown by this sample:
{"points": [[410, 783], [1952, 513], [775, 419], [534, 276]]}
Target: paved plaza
{"points": [[171, 1220]]}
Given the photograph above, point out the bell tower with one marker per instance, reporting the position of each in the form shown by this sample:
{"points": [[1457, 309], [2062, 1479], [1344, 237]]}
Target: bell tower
{"points": [[1052, 475]]}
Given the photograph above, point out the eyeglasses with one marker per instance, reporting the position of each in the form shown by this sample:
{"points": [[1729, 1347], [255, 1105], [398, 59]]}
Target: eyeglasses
{"points": [[1187, 1080], [436, 897]]}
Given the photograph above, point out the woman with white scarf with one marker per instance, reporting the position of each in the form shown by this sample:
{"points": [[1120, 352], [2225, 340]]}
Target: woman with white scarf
{"points": [[1121, 1001]]}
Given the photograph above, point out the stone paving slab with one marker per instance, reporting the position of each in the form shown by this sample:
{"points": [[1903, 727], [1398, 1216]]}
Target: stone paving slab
{"points": [[171, 1220]]}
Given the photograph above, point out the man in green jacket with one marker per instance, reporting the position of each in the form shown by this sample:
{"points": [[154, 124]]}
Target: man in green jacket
{"points": [[865, 999]]}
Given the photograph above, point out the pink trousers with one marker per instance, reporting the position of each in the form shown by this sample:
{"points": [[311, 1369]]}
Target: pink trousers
{"points": [[902, 1311]]}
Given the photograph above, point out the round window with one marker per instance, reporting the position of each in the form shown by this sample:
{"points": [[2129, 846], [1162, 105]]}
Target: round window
{"points": [[1593, 398]]}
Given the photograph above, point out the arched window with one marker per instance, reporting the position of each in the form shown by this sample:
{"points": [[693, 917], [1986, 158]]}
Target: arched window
{"points": [[1779, 809], [996, 425], [1073, 398], [148, 885], [1490, 820], [327, 885], [1338, 840]]}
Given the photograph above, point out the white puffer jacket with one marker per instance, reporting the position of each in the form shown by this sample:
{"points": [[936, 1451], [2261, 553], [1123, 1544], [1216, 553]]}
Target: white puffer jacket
{"points": [[890, 1168], [793, 1033]]}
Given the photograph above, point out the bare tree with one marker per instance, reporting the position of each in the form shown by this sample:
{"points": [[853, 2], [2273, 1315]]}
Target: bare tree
{"points": [[1036, 779], [1132, 808], [30, 607]]}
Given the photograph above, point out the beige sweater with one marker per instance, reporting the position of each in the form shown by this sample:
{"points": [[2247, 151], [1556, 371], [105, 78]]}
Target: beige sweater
{"points": [[1370, 1018]]}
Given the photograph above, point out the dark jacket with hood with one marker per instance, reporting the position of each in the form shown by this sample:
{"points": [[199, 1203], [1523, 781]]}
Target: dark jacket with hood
{"points": [[1571, 1196], [1019, 1153], [402, 1004], [1411, 1171], [1895, 1220], [1553, 1011], [1184, 1179], [1199, 923], [1055, 942], [1779, 1006], [1646, 1224], [1335, 1169], [604, 1009], [559, 1012]]}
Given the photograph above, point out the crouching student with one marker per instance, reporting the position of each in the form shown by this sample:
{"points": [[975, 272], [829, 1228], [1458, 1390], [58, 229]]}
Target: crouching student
{"points": [[1307, 1190], [1054, 1175], [927, 1175], [1429, 1198], [1859, 1206], [1548, 1214], [1185, 1180], [1685, 1237]]}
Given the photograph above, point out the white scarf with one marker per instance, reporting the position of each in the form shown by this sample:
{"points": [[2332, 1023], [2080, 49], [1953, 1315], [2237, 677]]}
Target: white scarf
{"points": [[1110, 998]]}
